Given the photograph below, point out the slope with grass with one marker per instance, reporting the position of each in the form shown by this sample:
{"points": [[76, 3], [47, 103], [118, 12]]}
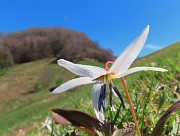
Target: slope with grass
{"points": [[24, 89], [25, 96], [171, 51]]}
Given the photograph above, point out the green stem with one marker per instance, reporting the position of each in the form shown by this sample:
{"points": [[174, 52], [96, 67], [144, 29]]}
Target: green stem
{"points": [[131, 106], [144, 108]]}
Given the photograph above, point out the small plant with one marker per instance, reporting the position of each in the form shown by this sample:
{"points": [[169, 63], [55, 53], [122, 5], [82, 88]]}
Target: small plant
{"points": [[112, 119]]}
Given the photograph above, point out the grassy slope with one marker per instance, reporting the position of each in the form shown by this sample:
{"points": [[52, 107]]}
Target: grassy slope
{"points": [[24, 89], [24, 93], [159, 56]]}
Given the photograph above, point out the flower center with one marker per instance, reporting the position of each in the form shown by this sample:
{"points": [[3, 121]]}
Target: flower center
{"points": [[106, 78]]}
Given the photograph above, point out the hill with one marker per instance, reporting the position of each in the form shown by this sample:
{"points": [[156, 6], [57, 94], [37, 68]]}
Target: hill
{"points": [[171, 51], [24, 89], [39, 43]]}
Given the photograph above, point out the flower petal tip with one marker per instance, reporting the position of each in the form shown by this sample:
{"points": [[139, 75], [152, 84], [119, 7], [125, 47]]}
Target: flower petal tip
{"points": [[54, 91], [60, 61], [165, 70], [147, 27]]}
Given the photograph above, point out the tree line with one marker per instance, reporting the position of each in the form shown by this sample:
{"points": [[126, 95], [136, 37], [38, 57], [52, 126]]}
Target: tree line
{"points": [[38, 43]]}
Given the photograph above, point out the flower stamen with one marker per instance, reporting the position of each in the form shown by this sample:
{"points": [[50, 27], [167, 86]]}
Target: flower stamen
{"points": [[102, 98], [106, 78]]}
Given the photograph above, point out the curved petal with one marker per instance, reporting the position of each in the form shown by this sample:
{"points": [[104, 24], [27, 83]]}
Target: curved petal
{"points": [[95, 98], [73, 83], [136, 69], [124, 61], [82, 70]]}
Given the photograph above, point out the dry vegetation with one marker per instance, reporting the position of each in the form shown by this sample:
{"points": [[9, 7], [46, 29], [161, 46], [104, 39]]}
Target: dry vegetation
{"points": [[37, 43]]}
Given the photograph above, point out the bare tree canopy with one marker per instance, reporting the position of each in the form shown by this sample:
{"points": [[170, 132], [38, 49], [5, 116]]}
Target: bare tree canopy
{"points": [[38, 43]]}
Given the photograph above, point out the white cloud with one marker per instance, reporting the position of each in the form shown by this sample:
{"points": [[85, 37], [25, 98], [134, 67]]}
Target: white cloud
{"points": [[153, 47]]}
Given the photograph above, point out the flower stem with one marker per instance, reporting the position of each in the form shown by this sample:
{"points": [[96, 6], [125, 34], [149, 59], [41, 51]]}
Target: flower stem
{"points": [[131, 106]]}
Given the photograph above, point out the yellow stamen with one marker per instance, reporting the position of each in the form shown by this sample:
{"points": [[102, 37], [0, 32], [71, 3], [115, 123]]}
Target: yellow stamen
{"points": [[106, 78]]}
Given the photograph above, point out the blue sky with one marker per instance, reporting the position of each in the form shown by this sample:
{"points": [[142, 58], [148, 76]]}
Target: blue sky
{"points": [[113, 24]]}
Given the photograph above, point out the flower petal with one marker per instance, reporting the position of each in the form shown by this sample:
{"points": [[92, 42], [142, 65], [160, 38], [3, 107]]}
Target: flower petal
{"points": [[124, 61], [95, 98], [73, 83], [82, 70], [136, 69]]}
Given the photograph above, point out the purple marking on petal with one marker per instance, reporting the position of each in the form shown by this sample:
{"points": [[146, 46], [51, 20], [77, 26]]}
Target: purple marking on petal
{"points": [[104, 96], [100, 101]]}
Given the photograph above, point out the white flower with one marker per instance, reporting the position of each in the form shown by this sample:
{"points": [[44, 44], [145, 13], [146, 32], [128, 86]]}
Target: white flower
{"points": [[47, 124], [101, 77]]}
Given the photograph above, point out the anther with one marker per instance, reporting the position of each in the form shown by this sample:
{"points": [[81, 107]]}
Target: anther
{"points": [[102, 98], [119, 95]]}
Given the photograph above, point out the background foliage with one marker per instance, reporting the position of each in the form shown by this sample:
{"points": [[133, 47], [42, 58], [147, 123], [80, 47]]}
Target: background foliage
{"points": [[38, 43]]}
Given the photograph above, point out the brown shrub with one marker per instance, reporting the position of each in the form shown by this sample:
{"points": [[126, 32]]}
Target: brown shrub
{"points": [[38, 43], [6, 58]]}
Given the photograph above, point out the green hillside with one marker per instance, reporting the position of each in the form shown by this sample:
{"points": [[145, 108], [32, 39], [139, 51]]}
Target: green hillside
{"points": [[160, 56], [24, 89]]}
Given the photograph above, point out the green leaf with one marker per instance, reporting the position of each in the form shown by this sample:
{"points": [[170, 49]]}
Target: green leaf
{"points": [[161, 101], [116, 116], [174, 128]]}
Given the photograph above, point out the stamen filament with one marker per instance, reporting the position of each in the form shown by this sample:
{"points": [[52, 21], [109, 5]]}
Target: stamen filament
{"points": [[110, 94]]}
